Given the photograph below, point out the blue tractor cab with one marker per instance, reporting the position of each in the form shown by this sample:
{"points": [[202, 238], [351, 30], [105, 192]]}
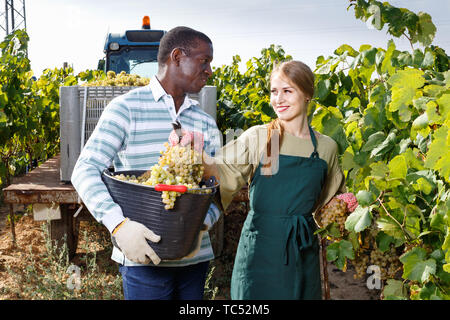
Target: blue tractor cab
{"points": [[134, 51]]}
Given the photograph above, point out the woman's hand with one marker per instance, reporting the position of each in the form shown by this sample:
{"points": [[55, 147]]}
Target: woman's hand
{"points": [[350, 199], [193, 138]]}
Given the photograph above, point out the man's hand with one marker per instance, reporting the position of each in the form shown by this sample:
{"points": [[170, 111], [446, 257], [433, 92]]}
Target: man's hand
{"points": [[131, 238], [192, 138]]}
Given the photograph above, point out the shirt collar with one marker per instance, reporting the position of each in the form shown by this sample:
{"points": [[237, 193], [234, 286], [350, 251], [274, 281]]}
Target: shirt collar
{"points": [[158, 92]]}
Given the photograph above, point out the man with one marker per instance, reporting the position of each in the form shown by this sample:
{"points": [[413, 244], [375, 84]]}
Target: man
{"points": [[130, 133]]}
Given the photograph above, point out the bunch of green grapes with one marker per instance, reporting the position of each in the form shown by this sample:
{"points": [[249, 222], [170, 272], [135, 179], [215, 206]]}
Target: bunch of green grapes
{"points": [[388, 262], [335, 211], [121, 79], [369, 254], [360, 263], [177, 165]]}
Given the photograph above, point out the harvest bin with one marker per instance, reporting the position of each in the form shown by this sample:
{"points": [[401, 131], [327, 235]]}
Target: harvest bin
{"points": [[178, 227]]}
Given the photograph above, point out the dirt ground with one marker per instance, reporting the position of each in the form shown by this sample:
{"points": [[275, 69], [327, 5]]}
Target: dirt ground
{"points": [[343, 286]]}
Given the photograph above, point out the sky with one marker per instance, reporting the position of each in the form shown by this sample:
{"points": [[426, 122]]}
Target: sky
{"points": [[74, 31]]}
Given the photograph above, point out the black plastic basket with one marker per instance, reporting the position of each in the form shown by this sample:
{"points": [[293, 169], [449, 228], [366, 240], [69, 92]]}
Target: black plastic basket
{"points": [[178, 227]]}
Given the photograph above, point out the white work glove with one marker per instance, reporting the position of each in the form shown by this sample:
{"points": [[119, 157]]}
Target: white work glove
{"points": [[131, 238], [199, 242]]}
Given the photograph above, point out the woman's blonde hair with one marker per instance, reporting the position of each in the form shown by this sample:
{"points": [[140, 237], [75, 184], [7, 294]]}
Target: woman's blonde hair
{"points": [[301, 76]]}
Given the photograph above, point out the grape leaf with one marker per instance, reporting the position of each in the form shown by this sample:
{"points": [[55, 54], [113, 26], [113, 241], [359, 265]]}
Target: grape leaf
{"points": [[408, 78], [401, 97], [438, 156], [411, 157], [330, 230], [424, 185], [444, 106], [384, 241], [394, 290], [379, 170], [346, 48], [417, 58], [420, 122], [415, 265], [373, 141], [426, 30], [398, 167], [365, 198], [404, 84], [428, 59], [390, 227], [386, 66], [421, 103], [339, 251], [446, 267], [385, 146], [359, 219], [430, 292]]}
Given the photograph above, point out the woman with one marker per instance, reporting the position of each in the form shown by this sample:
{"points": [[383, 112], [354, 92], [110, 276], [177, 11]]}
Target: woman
{"points": [[292, 172]]}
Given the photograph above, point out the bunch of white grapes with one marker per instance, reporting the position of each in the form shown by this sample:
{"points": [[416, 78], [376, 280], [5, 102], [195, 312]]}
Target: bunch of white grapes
{"points": [[360, 263], [121, 79], [177, 165], [335, 211]]}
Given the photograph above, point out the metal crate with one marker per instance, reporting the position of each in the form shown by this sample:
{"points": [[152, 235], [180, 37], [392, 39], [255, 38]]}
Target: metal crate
{"points": [[81, 107]]}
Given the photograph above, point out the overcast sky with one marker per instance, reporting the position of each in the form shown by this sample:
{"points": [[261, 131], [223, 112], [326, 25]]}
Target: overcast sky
{"points": [[75, 30]]}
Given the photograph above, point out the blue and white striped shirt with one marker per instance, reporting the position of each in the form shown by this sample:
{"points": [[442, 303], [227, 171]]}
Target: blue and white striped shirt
{"points": [[130, 133]]}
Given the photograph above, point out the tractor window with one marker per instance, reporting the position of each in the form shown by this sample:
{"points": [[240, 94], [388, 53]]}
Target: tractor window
{"points": [[134, 60]]}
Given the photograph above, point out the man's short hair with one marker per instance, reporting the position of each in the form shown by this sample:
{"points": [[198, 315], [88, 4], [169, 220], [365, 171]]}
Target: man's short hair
{"points": [[180, 37]]}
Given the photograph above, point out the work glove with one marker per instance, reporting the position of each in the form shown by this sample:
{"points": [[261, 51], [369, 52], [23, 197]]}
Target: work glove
{"points": [[350, 200], [198, 242], [193, 138], [131, 238]]}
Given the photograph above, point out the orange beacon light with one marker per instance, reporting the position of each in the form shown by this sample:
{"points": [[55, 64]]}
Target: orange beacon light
{"points": [[146, 22]]}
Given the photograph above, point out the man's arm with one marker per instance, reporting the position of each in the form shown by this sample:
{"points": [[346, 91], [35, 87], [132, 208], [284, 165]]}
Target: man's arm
{"points": [[98, 153]]}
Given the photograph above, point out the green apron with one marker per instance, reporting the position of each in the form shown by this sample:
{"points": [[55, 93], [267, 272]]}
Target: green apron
{"points": [[278, 255]]}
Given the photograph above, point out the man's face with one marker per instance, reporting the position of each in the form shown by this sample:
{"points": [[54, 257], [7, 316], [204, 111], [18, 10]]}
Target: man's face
{"points": [[195, 67]]}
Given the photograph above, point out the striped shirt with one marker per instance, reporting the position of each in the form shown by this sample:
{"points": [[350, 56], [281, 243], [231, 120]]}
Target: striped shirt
{"points": [[130, 134]]}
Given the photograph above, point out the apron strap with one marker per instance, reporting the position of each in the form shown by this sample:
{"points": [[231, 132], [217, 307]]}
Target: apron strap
{"points": [[315, 154], [299, 230]]}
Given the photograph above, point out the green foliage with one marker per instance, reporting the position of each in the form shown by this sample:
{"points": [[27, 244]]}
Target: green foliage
{"points": [[339, 251], [29, 108], [399, 21], [391, 119], [15, 95]]}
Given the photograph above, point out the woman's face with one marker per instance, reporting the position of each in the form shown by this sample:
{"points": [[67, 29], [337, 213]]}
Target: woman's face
{"points": [[287, 100]]}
